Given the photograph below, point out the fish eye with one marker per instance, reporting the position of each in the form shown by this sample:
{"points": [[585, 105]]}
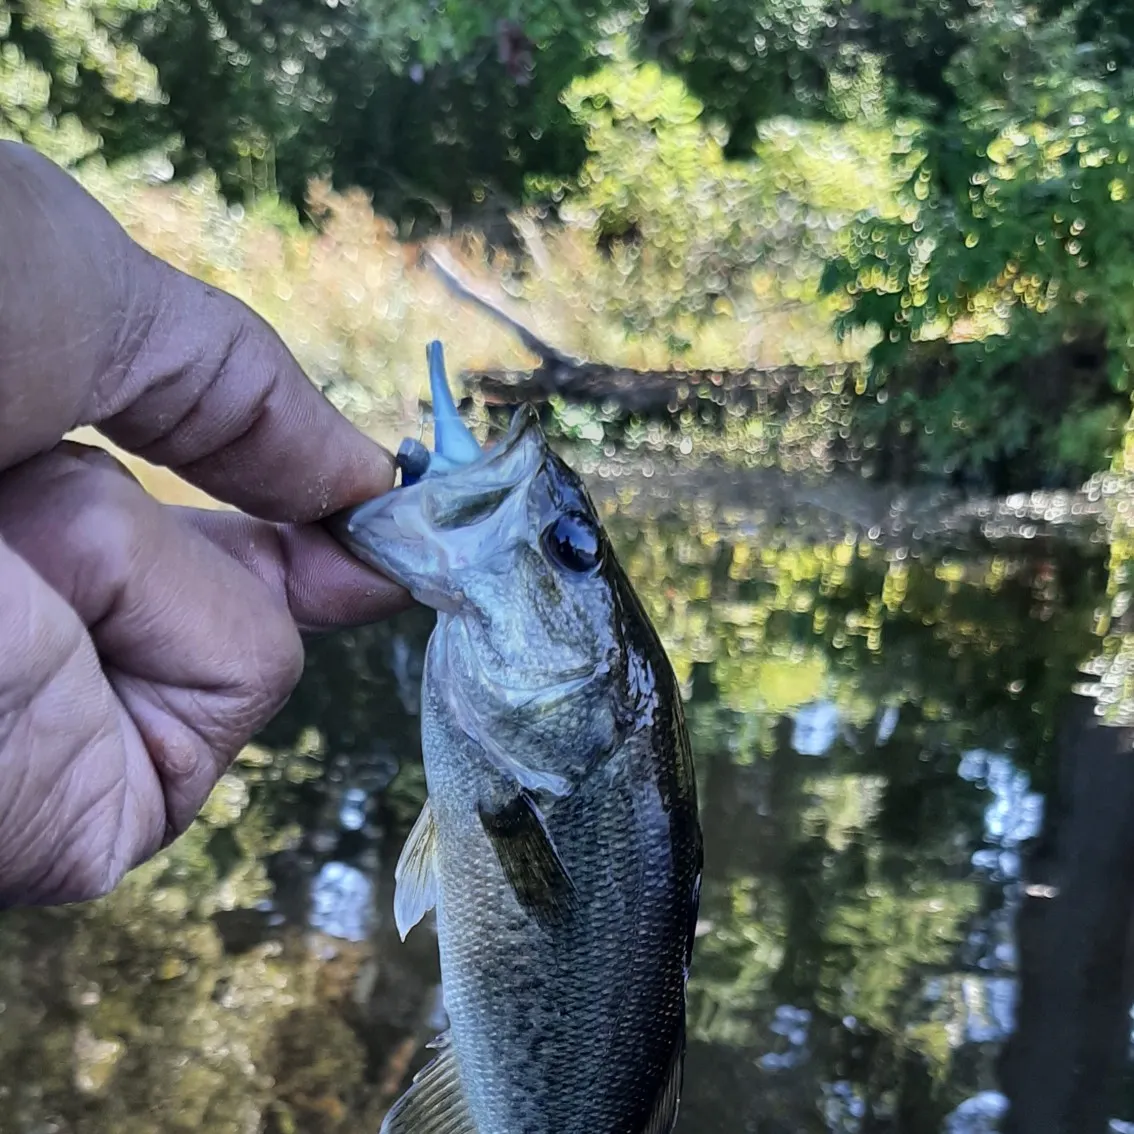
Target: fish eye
{"points": [[572, 540]]}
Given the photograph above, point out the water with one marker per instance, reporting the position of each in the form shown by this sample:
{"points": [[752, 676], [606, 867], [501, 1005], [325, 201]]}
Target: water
{"points": [[919, 854]]}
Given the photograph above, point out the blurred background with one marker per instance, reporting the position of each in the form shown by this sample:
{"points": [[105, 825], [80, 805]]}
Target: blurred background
{"points": [[832, 303]]}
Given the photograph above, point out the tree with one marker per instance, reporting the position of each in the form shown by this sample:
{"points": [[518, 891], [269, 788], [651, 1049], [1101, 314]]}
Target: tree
{"points": [[418, 104], [66, 69]]}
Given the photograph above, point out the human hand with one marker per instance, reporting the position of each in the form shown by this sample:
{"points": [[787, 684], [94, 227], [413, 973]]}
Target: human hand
{"points": [[143, 644]]}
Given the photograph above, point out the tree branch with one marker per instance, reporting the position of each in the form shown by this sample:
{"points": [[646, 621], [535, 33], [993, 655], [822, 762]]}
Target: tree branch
{"points": [[488, 299]]}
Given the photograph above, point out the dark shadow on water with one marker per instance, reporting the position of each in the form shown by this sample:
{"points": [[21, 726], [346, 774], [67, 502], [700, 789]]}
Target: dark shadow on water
{"points": [[919, 869], [1063, 1068]]}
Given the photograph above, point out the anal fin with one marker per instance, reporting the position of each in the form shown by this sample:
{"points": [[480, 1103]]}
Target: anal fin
{"points": [[436, 1103], [527, 855], [415, 876]]}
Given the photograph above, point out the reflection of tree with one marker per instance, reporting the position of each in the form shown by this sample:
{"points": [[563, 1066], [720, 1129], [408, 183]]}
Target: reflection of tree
{"points": [[134, 1009], [359, 697], [846, 882], [835, 885], [827, 916], [175, 1003], [984, 642]]}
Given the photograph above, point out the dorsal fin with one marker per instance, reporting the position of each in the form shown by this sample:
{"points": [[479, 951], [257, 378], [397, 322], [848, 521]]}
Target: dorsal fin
{"points": [[415, 879], [436, 1102]]}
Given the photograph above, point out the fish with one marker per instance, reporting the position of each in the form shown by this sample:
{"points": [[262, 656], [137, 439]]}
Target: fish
{"points": [[560, 845]]}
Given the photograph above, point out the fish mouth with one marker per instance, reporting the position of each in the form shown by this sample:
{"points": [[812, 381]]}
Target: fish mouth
{"points": [[419, 534]]}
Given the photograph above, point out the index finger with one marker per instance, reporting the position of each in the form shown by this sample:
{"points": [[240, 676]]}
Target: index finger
{"points": [[211, 392]]}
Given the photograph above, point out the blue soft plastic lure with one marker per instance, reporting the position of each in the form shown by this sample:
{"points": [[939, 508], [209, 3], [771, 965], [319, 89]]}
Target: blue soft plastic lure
{"points": [[453, 442]]}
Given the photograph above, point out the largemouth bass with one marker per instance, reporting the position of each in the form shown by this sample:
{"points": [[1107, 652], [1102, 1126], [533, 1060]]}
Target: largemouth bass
{"points": [[560, 844]]}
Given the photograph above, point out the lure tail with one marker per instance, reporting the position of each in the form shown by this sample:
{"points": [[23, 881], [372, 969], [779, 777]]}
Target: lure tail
{"points": [[453, 441]]}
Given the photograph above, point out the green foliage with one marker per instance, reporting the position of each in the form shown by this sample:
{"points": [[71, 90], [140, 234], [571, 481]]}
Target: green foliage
{"points": [[1014, 227], [693, 232], [65, 70], [749, 61], [714, 157], [425, 106], [1015, 411], [1042, 224]]}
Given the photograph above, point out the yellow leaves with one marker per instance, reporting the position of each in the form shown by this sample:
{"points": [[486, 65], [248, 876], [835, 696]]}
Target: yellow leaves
{"points": [[24, 88], [756, 682], [999, 150], [895, 585], [1057, 149], [997, 572], [741, 558], [172, 967], [951, 572], [841, 807], [700, 589], [227, 803], [95, 1060]]}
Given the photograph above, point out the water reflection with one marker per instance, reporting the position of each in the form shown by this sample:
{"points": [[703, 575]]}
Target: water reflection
{"points": [[917, 908]]}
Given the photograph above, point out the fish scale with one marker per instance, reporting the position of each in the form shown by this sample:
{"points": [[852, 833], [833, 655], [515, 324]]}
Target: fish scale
{"points": [[563, 995]]}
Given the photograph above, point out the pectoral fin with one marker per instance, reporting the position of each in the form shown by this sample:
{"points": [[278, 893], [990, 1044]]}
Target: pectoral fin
{"points": [[527, 855], [415, 892], [530, 779], [436, 1102]]}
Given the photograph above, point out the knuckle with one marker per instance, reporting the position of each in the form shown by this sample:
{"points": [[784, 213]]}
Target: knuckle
{"points": [[84, 495], [100, 525]]}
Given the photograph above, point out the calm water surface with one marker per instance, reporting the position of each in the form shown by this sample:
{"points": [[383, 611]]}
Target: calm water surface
{"points": [[917, 908]]}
